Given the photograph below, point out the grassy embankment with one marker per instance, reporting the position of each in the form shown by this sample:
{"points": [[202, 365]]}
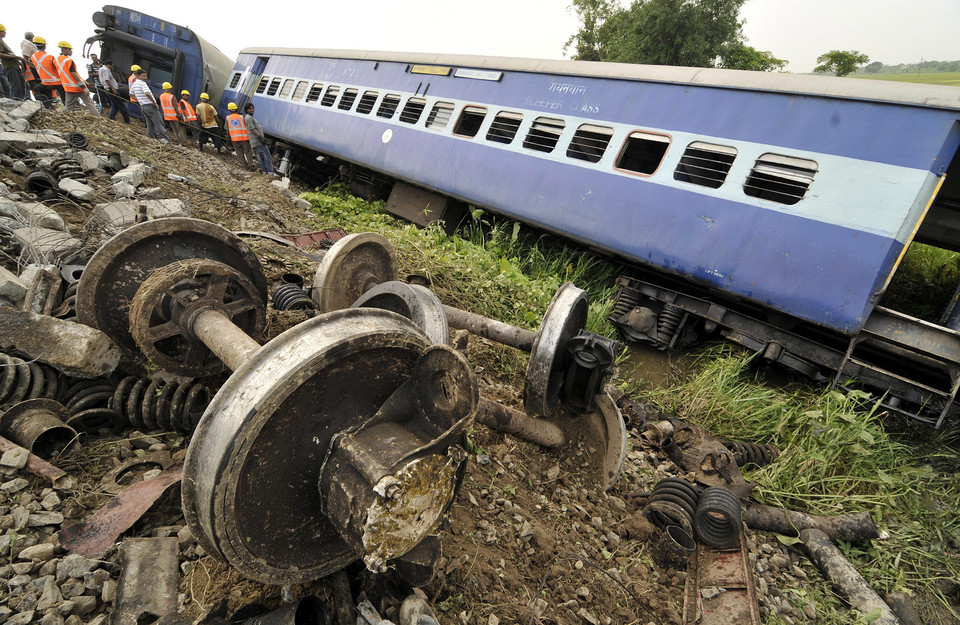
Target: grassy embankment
{"points": [[836, 454]]}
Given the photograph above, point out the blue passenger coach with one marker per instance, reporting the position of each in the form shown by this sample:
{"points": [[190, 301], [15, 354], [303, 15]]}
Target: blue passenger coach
{"points": [[773, 207]]}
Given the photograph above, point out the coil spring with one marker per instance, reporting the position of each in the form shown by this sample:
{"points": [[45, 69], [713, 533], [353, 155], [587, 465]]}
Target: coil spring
{"points": [[68, 167], [717, 520], [88, 406], [20, 380], [292, 297], [673, 502], [68, 305], [667, 322], [153, 404], [77, 140], [752, 454], [626, 299], [40, 184]]}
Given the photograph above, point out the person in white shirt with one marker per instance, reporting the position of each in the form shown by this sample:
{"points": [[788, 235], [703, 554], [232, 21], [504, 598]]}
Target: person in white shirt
{"points": [[111, 92], [148, 105]]}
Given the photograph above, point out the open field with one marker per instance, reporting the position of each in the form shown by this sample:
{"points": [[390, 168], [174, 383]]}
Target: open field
{"points": [[951, 79]]}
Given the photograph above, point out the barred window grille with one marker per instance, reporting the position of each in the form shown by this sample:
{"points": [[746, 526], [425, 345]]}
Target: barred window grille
{"points": [[781, 179], [347, 100], [274, 86], [367, 100], [262, 85], [589, 142], [440, 115], [412, 110], [544, 134], [287, 87], [504, 127], [315, 91], [705, 164], [300, 90], [330, 96], [235, 80], [389, 105]]}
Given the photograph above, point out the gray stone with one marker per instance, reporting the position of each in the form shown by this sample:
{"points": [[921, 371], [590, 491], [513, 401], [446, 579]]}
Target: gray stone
{"points": [[114, 217], [21, 618], [51, 595], [134, 174], [84, 605], [88, 160], [22, 568], [5, 613], [75, 566], [72, 588], [124, 190], [73, 348], [40, 519], [20, 517], [19, 125], [32, 214], [52, 618], [46, 245], [26, 110], [42, 552], [15, 485], [12, 140], [94, 580], [6, 119], [151, 192], [21, 168], [50, 566], [78, 190], [73, 619], [12, 289], [109, 593]]}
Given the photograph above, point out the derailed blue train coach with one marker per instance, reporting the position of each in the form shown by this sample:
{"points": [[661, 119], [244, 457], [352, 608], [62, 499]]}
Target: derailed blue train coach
{"points": [[772, 208]]}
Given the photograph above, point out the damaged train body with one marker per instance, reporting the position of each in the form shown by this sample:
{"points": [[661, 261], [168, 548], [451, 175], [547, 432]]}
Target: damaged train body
{"points": [[771, 208]]}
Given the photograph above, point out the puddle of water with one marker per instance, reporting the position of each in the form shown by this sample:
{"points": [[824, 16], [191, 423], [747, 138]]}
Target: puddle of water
{"points": [[647, 364]]}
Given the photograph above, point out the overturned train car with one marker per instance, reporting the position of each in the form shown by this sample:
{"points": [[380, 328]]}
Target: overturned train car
{"points": [[771, 208], [168, 52]]}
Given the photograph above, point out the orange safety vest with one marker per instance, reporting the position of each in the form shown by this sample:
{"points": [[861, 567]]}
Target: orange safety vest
{"points": [[169, 106], [47, 68], [186, 109], [130, 80], [64, 65], [28, 71], [237, 127]]}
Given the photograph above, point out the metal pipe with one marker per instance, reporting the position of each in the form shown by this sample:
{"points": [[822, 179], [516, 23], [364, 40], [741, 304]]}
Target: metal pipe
{"points": [[492, 329], [845, 577], [231, 344], [511, 421], [848, 527]]}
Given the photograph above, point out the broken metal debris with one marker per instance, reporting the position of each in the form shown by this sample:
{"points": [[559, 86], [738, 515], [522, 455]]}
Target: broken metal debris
{"points": [[848, 527], [38, 425], [720, 589], [147, 589], [306, 611], [57, 477], [288, 296]]}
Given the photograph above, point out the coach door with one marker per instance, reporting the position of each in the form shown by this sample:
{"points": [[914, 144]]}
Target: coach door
{"points": [[250, 80]]}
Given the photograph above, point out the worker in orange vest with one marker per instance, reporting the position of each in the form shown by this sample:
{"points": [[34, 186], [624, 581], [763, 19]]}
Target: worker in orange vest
{"points": [[74, 87], [134, 104], [188, 114], [239, 137], [171, 113], [47, 91]]}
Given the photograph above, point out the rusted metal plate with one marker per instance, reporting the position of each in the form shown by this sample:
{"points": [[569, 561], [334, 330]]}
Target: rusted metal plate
{"points": [[720, 588], [92, 538], [318, 237], [148, 580]]}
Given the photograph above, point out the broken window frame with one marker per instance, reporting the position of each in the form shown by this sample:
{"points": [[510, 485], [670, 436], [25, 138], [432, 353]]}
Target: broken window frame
{"points": [[544, 134], [779, 178], [502, 131], [286, 88], [637, 143], [589, 142], [262, 85], [705, 164], [300, 90], [440, 115]]}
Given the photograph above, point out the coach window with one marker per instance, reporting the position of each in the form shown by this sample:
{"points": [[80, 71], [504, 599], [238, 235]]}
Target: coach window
{"points": [[286, 88], [642, 152], [262, 85], [274, 86], [330, 96], [299, 91], [389, 105], [781, 179], [314, 94], [468, 124], [705, 164], [412, 110], [544, 134], [234, 80], [440, 115], [349, 97], [367, 100], [589, 142], [504, 127]]}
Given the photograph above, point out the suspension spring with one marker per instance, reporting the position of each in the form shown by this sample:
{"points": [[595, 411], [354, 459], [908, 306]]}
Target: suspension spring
{"points": [[68, 305], [673, 502], [752, 455], [717, 519], [292, 297], [88, 406], [20, 380], [153, 404], [667, 322], [68, 167]]}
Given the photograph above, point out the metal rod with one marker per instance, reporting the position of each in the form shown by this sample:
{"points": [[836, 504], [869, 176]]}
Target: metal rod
{"points": [[492, 329], [231, 344], [848, 527], [511, 421]]}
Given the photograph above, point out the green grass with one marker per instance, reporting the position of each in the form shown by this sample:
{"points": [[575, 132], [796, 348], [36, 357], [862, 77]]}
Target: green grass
{"points": [[951, 79], [924, 282]]}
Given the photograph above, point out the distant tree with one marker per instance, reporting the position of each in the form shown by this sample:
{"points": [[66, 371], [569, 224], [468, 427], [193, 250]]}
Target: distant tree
{"points": [[873, 68], [588, 42], [741, 56], [840, 62]]}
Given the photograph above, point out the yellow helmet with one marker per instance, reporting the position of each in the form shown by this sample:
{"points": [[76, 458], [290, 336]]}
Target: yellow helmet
{"points": [[232, 106], [3, 28], [134, 68], [184, 92], [204, 96], [65, 44], [40, 41], [167, 85]]}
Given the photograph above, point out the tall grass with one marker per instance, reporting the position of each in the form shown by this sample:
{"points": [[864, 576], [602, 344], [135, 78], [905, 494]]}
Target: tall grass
{"points": [[924, 283]]}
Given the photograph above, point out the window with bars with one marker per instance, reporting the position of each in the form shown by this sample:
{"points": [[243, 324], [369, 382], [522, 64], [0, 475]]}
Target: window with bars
{"points": [[367, 100], [389, 105], [314, 94], [642, 152], [589, 142], [262, 85], [235, 80], [440, 115], [412, 110], [781, 179], [347, 100], [274, 86], [504, 127], [468, 124], [286, 88], [330, 96], [300, 90], [544, 134], [705, 164]]}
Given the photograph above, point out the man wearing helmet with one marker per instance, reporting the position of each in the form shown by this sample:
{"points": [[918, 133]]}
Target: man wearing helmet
{"points": [[209, 129], [239, 136], [188, 114], [171, 113], [74, 87], [48, 90]]}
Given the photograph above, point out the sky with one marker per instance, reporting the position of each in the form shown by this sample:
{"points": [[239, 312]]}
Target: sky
{"points": [[891, 31]]}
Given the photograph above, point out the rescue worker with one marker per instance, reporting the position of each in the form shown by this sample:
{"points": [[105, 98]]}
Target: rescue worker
{"points": [[111, 91], [171, 113], [134, 105], [209, 129], [74, 87], [239, 136], [27, 48], [47, 91], [148, 105], [10, 64], [188, 114]]}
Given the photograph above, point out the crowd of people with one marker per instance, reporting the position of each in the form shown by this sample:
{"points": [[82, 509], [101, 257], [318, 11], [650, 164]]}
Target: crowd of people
{"points": [[55, 81]]}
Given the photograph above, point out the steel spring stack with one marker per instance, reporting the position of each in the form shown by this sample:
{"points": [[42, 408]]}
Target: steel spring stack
{"points": [[717, 519], [145, 404], [20, 380], [673, 502], [68, 167], [668, 321], [68, 305], [292, 297], [752, 454]]}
